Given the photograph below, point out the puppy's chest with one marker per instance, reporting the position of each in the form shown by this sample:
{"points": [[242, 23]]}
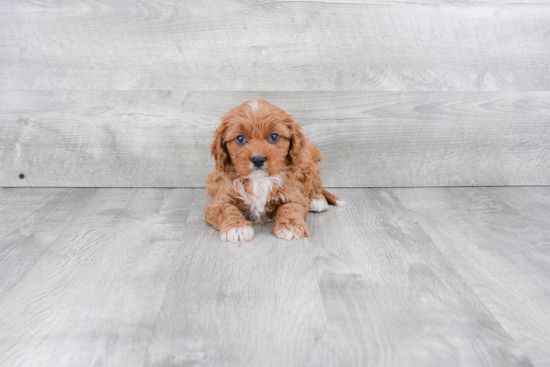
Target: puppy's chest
{"points": [[259, 198]]}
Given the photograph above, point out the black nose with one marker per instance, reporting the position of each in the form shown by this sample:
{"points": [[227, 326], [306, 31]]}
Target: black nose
{"points": [[258, 160]]}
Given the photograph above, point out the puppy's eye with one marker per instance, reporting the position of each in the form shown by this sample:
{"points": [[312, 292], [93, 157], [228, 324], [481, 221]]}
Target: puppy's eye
{"points": [[240, 139], [274, 137]]}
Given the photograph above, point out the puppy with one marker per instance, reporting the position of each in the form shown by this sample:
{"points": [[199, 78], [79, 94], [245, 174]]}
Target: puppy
{"points": [[266, 170]]}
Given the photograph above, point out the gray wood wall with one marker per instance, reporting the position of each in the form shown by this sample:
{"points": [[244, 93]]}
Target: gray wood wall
{"points": [[416, 93]]}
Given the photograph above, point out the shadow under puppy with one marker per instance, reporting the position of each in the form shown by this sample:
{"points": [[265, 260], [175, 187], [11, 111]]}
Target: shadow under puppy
{"points": [[266, 170]]}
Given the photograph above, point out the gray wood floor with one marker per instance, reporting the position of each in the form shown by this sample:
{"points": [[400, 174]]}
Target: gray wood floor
{"points": [[398, 277]]}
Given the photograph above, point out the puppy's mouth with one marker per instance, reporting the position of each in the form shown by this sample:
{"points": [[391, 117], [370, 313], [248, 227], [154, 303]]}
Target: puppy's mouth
{"points": [[257, 172]]}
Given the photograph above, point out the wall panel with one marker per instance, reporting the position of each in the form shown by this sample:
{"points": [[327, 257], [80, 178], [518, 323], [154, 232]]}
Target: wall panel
{"points": [[369, 139]]}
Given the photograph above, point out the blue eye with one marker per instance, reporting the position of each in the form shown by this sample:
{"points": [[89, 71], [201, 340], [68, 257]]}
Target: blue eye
{"points": [[274, 137], [240, 139]]}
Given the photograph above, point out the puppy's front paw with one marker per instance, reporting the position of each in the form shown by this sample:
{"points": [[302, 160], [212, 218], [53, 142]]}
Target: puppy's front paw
{"points": [[291, 232], [239, 234]]}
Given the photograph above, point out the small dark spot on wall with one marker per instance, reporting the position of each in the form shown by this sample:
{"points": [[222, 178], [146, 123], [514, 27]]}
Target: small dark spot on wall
{"points": [[21, 175]]}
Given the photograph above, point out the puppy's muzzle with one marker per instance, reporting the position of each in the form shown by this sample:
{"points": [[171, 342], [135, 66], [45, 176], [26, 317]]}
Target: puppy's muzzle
{"points": [[258, 161]]}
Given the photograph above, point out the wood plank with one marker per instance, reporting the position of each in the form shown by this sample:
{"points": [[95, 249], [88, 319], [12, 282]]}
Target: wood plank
{"points": [[276, 45], [250, 304], [161, 138], [498, 240], [101, 260], [135, 277], [21, 211], [367, 288]]}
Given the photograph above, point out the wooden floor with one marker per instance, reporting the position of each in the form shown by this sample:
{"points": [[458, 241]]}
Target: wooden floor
{"points": [[397, 277]]}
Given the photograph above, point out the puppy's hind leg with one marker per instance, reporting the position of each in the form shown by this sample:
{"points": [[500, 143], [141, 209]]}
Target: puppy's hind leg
{"points": [[318, 203], [332, 199]]}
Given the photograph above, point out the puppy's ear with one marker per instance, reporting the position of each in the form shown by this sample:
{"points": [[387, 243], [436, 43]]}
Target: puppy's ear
{"points": [[218, 149], [297, 141]]}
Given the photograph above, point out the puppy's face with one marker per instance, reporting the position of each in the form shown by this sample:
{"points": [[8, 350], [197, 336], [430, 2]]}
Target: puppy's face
{"points": [[256, 139]]}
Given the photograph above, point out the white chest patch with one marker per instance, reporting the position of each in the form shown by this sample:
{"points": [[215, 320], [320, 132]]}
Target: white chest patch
{"points": [[261, 188]]}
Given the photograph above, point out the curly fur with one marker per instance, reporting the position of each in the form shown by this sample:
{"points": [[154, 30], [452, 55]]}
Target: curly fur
{"points": [[283, 190]]}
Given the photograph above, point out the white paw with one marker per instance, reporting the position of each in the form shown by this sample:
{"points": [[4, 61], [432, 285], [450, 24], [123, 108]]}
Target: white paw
{"points": [[241, 234], [318, 206], [287, 234]]}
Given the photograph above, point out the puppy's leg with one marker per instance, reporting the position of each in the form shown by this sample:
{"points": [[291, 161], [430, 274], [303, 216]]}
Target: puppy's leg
{"points": [[288, 222], [318, 203], [332, 199], [229, 220]]}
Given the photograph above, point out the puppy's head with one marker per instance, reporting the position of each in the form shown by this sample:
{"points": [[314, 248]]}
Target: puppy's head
{"points": [[257, 139]]}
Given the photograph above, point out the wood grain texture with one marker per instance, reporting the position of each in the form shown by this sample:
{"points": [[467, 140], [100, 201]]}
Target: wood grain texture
{"points": [[275, 45], [498, 240], [135, 277], [84, 273], [162, 138]]}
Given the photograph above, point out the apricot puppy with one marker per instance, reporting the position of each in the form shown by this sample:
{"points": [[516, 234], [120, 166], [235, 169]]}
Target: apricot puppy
{"points": [[266, 170]]}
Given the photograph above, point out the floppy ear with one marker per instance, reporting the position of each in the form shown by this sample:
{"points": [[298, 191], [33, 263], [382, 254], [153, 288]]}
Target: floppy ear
{"points": [[218, 150], [297, 142]]}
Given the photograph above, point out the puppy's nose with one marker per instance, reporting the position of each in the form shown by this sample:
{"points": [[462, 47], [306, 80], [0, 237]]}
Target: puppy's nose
{"points": [[258, 160]]}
